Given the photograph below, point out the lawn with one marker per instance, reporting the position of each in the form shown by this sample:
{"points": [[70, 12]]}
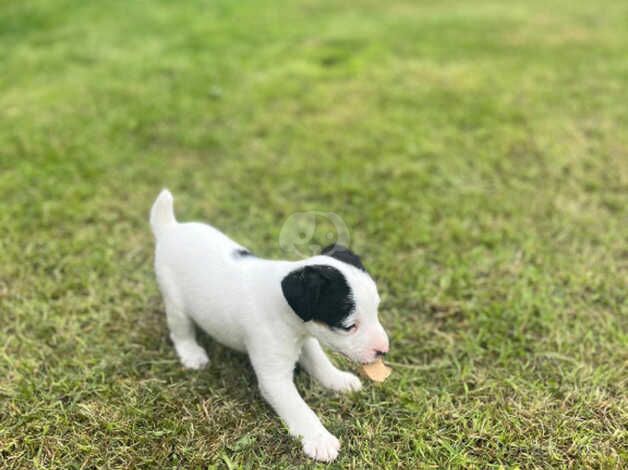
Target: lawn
{"points": [[477, 152]]}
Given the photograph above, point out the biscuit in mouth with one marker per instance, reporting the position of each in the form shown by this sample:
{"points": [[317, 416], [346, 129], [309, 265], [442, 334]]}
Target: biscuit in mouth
{"points": [[376, 371]]}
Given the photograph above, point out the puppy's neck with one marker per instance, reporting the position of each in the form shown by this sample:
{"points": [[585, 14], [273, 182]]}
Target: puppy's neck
{"points": [[265, 278]]}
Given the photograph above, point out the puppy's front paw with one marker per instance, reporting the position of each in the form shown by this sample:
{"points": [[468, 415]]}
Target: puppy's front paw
{"points": [[323, 447], [193, 356], [343, 382]]}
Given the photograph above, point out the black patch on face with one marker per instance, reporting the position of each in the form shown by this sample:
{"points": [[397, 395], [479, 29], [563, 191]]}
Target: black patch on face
{"points": [[319, 293], [344, 254], [242, 253]]}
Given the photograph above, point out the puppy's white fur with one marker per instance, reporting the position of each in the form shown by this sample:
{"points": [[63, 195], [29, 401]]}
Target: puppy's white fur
{"points": [[238, 300]]}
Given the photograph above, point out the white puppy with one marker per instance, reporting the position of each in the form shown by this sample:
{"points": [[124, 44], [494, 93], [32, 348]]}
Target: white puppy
{"points": [[276, 311]]}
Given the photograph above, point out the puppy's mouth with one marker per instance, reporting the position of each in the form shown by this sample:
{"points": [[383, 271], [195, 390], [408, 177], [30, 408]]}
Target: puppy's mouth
{"points": [[356, 358], [372, 361], [358, 361]]}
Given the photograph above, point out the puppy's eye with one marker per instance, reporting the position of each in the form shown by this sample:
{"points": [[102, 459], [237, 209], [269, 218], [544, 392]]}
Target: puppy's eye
{"points": [[350, 328]]}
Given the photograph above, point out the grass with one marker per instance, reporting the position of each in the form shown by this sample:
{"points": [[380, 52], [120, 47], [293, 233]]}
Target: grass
{"points": [[477, 151]]}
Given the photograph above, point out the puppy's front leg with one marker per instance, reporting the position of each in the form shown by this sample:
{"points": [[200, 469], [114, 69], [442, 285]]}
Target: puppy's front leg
{"points": [[275, 379], [317, 364]]}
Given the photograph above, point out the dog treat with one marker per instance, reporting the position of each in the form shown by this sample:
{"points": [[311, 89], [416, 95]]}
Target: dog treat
{"points": [[376, 371]]}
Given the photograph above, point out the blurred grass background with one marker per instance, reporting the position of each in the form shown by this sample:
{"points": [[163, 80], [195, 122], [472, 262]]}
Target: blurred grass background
{"points": [[477, 151]]}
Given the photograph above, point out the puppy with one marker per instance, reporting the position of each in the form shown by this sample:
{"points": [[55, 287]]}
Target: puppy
{"points": [[278, 312]]}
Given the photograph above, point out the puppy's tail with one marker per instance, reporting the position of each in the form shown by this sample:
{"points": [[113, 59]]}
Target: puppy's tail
{"points": [[162, 213]]}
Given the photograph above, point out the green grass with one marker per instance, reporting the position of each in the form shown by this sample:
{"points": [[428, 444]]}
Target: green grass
{"points": [[477, 151]]}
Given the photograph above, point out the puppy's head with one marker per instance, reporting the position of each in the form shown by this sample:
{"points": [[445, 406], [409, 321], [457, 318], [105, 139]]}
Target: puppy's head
{"points": [[338, 300]]}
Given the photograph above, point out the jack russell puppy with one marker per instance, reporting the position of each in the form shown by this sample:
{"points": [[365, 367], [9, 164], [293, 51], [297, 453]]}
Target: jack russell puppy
{"points": [[278, 312]]}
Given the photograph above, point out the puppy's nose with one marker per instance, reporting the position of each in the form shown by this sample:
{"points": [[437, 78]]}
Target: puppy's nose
{"points": [[381, 347]]}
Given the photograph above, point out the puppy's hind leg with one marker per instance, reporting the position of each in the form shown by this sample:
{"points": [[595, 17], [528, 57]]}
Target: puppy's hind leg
{"points": [[314, 360], [182, 333]]}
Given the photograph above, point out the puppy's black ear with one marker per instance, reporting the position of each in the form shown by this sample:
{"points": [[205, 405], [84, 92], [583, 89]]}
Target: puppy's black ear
{"points": [[344, 254], [302, 289], [320, 293]]}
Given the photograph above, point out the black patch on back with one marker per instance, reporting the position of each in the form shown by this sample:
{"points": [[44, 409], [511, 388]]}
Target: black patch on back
{"points": [[344, 254], [242, 253], [319, 293]]}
